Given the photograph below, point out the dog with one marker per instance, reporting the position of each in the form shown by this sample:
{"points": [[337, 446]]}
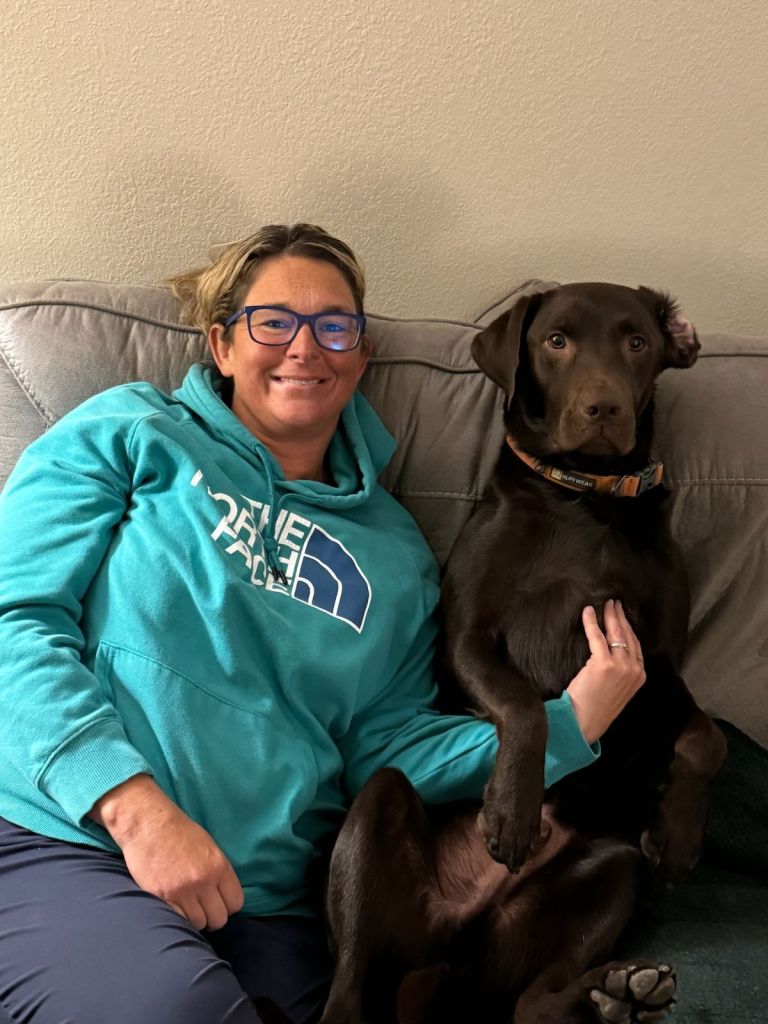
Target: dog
{"points": [[516, 919]]}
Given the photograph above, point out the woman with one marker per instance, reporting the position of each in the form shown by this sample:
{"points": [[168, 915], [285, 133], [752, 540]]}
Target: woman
{"points": [[215, 626]]}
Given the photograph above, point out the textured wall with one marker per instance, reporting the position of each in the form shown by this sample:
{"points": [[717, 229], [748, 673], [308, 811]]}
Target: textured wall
{"points": [[459, 147]]}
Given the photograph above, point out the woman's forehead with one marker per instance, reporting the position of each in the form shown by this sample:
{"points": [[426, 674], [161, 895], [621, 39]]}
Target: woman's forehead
{"points": [[286, 278]]}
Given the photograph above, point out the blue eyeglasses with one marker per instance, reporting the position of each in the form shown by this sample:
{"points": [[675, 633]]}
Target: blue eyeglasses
{"points": [[274, 325]]}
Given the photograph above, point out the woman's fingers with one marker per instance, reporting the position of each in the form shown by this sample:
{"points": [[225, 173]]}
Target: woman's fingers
{"points": [[214, 907], [629, 634], [204, 910], [595, 636], [618, 637], [231, 891], [171, 856], [614, 631], [177, 907], [612, 674]]}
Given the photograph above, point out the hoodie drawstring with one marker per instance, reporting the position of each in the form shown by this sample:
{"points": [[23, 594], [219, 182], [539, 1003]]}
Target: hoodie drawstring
{"points": [[268, 538], [270, 546]]}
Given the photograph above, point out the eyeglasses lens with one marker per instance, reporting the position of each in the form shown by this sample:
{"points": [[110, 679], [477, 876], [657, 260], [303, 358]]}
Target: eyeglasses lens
{"points": [[336, 331]]}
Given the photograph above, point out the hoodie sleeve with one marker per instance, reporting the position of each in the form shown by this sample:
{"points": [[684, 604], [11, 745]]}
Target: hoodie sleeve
{"points": [[58, 514], [446, 757]]}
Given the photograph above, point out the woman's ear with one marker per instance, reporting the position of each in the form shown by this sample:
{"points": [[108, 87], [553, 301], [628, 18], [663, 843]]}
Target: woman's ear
{"points": [[366, 348], [221, 349]]}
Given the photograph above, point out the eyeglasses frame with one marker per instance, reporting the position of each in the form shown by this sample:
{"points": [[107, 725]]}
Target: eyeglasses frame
{"points": [[301, 319]]}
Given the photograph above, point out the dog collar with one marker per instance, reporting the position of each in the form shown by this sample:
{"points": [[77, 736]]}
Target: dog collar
{"points": [[627, 486]]}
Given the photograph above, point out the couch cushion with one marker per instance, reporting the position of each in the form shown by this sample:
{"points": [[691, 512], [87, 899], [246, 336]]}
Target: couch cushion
{"points": [[61, 341]]}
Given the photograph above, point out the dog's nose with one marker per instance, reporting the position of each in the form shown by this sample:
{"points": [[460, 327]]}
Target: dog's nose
{"points": [[602, 410]]}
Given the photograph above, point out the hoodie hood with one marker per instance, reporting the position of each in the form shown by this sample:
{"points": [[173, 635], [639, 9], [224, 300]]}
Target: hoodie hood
{"points": [[358, 452]]}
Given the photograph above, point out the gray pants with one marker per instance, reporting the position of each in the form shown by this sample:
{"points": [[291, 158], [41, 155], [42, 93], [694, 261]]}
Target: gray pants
{"points": [[80, 943]]}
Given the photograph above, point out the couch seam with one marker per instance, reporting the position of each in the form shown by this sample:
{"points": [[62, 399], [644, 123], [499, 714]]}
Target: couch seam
{"points": [[45, 414], [464, 496], [721, 481], [422, 320], [71, 304], [187, 329], [714, 482], [420, 361], [194, 331]]}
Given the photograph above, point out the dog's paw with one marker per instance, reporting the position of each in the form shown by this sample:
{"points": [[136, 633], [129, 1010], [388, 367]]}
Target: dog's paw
{"points": [[511, 827], [638, 993]]}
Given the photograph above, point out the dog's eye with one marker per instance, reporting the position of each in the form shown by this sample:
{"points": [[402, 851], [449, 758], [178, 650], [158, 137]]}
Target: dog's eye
{"points": [[636, 343], [556, 341]]}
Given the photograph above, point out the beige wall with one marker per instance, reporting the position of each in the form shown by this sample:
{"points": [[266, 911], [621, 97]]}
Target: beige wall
{"points": [[460, 147]]}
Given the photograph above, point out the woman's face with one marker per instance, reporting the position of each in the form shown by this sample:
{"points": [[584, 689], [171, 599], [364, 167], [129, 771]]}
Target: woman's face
{"points": [[295, 392]]}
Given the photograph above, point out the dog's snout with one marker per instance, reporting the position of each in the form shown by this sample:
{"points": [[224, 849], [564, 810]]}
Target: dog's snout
{"points": [[602, 410]]}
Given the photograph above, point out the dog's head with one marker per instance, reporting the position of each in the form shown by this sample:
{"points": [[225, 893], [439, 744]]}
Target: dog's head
{"points": [[578, 364]]}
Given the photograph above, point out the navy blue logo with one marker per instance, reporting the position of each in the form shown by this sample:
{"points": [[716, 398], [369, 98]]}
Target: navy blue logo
{"points": [[328, 577]]}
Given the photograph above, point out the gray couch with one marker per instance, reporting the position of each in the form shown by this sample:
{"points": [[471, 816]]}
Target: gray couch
{"points": [[61, 341]]}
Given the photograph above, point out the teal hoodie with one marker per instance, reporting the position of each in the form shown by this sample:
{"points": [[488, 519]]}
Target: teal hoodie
{"points": [[171, 604]]}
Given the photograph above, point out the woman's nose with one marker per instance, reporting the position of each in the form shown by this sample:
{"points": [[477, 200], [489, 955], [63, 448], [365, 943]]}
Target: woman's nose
{"points": [[304, 344]]}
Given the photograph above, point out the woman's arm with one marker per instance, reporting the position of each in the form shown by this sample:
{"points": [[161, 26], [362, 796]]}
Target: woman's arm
{"points": [[169, 854], [450, 757], [58, 513]]}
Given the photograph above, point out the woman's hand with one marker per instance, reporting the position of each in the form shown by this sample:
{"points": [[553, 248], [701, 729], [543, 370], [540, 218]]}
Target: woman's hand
{"points": [[612, 675], [168, 854]]}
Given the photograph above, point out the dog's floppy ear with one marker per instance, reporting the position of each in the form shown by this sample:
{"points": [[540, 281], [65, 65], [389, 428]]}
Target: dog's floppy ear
{"points": [[496, 350], [681, 345]]}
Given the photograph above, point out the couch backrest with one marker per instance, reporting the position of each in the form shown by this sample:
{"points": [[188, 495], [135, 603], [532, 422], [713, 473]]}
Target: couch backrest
{"points": [[62, 341]]}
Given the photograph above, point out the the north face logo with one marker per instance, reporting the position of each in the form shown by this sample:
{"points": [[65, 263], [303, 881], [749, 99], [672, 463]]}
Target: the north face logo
{"points": [[320, 570], [328, 577]]}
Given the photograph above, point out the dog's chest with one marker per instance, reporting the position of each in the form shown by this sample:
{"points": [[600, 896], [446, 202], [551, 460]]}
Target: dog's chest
{"points": [[555, 571]]}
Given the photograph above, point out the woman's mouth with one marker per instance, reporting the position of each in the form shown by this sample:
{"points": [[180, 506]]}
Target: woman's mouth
{"points": [[300, 381]]}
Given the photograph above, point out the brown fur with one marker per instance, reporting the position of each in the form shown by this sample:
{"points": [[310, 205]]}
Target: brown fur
{"points": [[528, 935]]}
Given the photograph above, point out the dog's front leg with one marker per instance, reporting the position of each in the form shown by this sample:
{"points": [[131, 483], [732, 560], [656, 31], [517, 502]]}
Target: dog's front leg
{"points": [[510, 818], [672, 843]]}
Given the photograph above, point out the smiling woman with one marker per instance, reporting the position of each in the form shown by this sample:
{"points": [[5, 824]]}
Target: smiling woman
{"points": [[288, 384], [237, 631], [290, 393]]}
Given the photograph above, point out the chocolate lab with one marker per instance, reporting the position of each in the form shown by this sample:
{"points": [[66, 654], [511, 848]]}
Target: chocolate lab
{"points": [[516, 920]]}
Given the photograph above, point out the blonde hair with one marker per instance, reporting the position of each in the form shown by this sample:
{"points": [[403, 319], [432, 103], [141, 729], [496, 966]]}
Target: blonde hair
{"points": [[210, 294]]}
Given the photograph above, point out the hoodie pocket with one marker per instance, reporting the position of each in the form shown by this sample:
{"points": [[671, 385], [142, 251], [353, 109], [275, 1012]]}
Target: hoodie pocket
{"points": [[234, 771]]}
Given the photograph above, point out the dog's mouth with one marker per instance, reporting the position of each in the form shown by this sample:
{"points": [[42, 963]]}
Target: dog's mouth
{"points": [[601, 444], [601, 440]]}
